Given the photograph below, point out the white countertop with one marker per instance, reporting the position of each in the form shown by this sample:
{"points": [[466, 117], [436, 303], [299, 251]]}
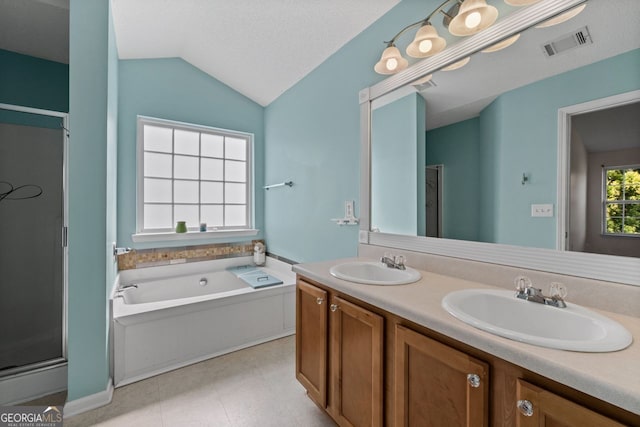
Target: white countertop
{"points": [[613, 377]]}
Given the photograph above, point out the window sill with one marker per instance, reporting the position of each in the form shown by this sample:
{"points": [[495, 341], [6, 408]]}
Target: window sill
{"points": [[635, 236], [191, 235]]}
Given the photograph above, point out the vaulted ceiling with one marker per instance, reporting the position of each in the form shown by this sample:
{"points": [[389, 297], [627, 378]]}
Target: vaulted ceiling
{"points": [[37, 28], [262, 48], [259, 48]]}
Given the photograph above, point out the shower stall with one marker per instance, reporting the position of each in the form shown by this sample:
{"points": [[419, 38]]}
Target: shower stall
{"points": [[32, 253]]}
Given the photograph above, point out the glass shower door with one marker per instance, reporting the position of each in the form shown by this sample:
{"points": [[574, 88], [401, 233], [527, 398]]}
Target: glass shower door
{"points": [[32, 290]]}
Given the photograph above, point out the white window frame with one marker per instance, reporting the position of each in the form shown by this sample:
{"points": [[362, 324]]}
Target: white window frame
{"points": [[146, 235], [606, 202]]}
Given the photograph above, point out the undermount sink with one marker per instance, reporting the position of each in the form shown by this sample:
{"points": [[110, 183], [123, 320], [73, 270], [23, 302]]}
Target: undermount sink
{"points": [[572, 328], [374, 273]]}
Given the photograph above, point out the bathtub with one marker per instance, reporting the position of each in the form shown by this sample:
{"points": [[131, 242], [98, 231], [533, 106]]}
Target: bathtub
{"points": [[185, 313]]}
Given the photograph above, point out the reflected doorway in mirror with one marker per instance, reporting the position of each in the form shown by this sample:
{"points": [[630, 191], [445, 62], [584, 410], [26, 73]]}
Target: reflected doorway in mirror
{"points": [[434, 175]]}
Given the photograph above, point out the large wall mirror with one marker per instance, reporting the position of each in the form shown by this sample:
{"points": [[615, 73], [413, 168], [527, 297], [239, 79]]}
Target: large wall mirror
{"points": [[528, 156]]}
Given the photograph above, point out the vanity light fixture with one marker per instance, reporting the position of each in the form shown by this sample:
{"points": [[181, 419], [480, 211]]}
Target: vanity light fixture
{"points": [[422, 80], [462, 18], [391, 61], [520, 2], [473, 16], [457, 65], [563, 17], [426, 43], [501, 44]]}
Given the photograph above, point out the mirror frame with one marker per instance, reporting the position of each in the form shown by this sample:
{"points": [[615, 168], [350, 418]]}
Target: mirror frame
{"points": [[587, 265]]}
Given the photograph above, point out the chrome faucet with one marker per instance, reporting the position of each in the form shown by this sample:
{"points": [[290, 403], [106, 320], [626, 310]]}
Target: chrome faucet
{"points": [[526, 291], [393, 261]]}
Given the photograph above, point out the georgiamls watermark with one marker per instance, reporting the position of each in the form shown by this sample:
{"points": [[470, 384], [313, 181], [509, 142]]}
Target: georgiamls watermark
{"points": [[30, 416]]}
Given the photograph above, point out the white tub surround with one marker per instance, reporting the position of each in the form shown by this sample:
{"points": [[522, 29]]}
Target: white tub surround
{"points": [[611, 377], [182, 314]]}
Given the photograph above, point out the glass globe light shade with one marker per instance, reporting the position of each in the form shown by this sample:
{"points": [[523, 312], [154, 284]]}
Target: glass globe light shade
{"points": [[473, 17], [563, 17], [427, 42], [391, 61]]}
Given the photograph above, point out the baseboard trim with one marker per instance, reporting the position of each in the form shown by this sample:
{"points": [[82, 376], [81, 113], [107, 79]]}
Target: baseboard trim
{"points": [[33, 384], [87, 403]]}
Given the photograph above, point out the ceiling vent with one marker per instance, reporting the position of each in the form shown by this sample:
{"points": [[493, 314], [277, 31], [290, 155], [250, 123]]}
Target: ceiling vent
{"points": [[580, 37], [424, 86]]}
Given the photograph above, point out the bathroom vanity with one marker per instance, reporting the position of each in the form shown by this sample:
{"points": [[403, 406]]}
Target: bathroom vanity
{"points": [[391, 355]]}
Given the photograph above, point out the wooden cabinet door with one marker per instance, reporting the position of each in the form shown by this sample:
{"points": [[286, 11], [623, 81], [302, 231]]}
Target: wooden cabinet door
{"points": [[437, 385], [356, 365], [311, 340], [538, 407]]}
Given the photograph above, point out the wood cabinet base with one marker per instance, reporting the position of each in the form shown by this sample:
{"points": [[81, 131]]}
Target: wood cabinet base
{"points": [[368, 367]]}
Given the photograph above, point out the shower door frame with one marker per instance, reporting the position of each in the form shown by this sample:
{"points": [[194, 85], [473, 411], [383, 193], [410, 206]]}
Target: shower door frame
{"points": [[65, 247]]}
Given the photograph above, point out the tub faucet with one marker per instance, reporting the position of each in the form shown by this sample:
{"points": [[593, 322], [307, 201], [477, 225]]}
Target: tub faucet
{"points": [[393, 261], [526, 291]]}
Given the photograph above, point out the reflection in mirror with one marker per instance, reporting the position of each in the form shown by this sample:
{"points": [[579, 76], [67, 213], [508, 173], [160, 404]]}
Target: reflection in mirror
{"points": [[398, 169], [604, 184], [493, 126]]}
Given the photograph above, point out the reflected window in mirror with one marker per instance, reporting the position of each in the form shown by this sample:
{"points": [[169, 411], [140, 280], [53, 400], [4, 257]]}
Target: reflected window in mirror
{"points": [[622, 200], [604, 182]]}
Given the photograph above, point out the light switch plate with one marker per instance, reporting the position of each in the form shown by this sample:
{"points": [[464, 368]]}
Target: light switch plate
{"points": [[545, 210]]}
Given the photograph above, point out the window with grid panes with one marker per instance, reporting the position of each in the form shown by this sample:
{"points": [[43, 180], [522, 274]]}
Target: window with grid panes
{"points": [[621, 200], [194, 174]]}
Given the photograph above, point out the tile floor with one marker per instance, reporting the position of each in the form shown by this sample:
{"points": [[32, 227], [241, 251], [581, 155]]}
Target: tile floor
{"points": [[251, 387]]}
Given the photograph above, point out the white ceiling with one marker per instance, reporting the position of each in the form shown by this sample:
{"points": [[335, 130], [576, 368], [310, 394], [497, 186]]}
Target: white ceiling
{"points": [[259, 48], [262, 48], [463, 93], [37, 28], [609, 130]]}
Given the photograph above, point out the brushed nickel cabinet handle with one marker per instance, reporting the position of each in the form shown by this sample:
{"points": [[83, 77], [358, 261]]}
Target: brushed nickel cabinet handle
{"points": [[319, 300], [333, 307]]}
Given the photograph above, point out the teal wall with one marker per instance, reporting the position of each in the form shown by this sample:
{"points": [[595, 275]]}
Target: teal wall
{"points": [[312, 135], [90, 148], [33, 82], [175, 90], [397, 140], [30, 119], [490, 151], [457, 147], [527, 142], [518, 134]]}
